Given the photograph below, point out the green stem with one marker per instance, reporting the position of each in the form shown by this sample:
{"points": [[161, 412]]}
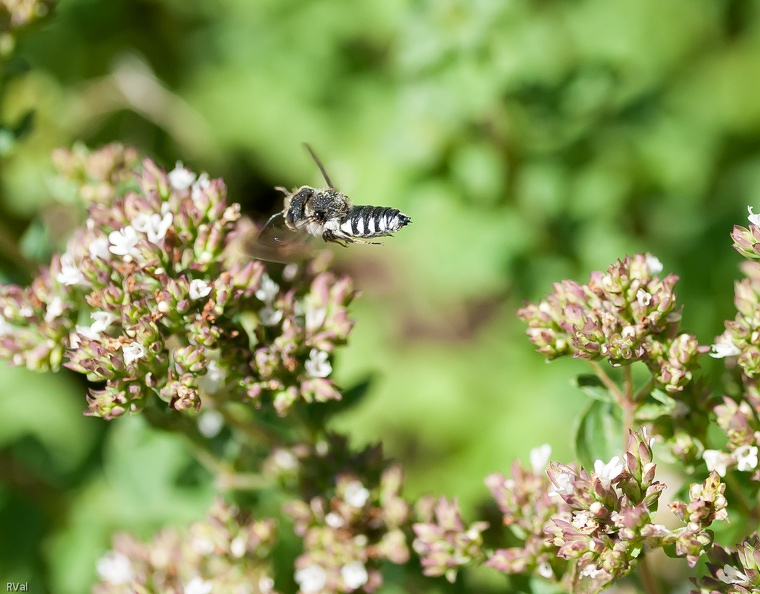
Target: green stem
{"points": [[628, 404], [231, 481], [648, 581], [644, 391], [255, 434], [625, 398], [607, 381], [628, 382]]}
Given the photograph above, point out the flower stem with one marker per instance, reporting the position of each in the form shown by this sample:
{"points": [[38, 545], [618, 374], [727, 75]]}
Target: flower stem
{"points": [[607, 381], [625, 397], [648, 581], [628, 404]]}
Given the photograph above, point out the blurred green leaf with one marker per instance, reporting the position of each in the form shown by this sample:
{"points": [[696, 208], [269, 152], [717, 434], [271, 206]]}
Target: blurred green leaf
{"points": [[351, 397], [598, 432], [593, 387], [48, 408]]}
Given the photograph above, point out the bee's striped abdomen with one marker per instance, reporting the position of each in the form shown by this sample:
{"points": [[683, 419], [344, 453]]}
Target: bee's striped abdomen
{"points": [[373, 221]]}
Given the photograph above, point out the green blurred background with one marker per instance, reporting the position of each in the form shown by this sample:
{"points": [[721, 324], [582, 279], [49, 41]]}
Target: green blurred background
{"points": [[529, 140]]}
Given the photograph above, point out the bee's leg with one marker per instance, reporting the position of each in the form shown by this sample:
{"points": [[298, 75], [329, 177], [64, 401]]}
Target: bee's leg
{"points": [[365, 241], [330, 236]]}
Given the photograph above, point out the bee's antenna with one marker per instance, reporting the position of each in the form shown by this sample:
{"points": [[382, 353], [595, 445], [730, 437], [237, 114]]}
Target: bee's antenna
{"points": [[319, 164]]}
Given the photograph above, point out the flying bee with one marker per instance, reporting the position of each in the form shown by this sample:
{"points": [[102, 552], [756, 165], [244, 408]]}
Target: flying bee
{"points": [[329, 214]]}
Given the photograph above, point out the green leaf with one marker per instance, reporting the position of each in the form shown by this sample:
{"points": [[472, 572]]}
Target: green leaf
{"points": [[660, 404], [593, 387], [663, 397], [352, 396], [24, 125], [598, 433], [10, 135]]}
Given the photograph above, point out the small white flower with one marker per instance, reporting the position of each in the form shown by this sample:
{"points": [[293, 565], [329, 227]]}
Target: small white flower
{"points": [[643, 297], [266, 584], [717, 461], [268, 289], [545, 570], [180, 179], [654, 264], [115, 568], [334, 520], [591, 571], [753, 218], [198, 586], [5, 328], [101, 321], [199, 288], [203, 183], [54, 309], [746, 457], [356, 495], [582, 519], [354, 574], [285, 460], [238, 547], [154, 226], [75, 338], [318, 364], [606, 473], [629, 331], [315, 317], [124, 242], [290, 271], [539, 458], [723, 347], [210, 423], [311, 579], [98, 248], [731, 575], [132, 352], [214, 378], [202, 545], [565, 484], [269, 316], [141, 222], [69, 274]]}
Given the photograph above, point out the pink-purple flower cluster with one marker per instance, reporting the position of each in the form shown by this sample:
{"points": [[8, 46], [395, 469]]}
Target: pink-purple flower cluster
{"points": [[624, 315], [732, 571], [147, 300], [443, 541], [352, 524], [225, 553]]}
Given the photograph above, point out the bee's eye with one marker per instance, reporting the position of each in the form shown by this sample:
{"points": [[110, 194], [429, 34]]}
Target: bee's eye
{"points": [[305, 193]]}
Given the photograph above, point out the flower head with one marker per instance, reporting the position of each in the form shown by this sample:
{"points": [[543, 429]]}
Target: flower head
{"points": [[318, 364], [124, 243], [180, 178], [606, 473], [115, 568]]}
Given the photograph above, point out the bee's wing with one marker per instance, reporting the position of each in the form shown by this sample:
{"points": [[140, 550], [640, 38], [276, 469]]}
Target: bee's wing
{"points": [[276, 243]]}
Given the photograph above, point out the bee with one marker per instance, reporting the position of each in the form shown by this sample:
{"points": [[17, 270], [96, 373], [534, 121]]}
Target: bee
{"points": [[328, 214]]}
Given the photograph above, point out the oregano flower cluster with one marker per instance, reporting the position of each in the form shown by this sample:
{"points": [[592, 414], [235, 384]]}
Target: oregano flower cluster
{"points": [[154, 302], [144, 300]]}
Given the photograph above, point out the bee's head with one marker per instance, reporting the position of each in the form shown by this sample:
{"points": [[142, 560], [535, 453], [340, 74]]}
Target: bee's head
{"points": [[307, 204], [295, 204]]}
